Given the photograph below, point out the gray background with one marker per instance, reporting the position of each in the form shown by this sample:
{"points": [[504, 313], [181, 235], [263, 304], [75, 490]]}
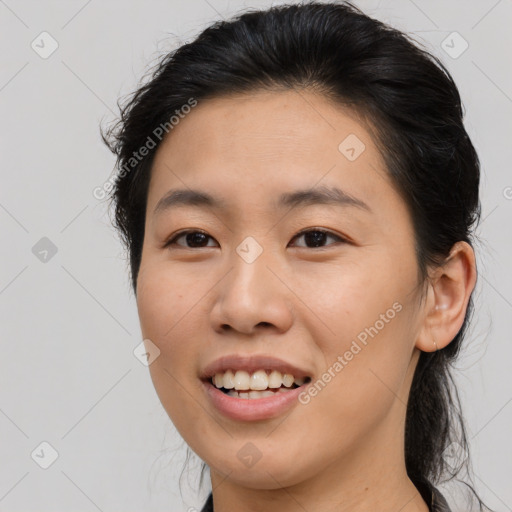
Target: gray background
{"points": [[68, 375]]}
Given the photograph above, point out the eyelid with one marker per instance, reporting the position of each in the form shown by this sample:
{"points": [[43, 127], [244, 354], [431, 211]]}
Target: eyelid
{"points": [[321, 230], [171, 240]]}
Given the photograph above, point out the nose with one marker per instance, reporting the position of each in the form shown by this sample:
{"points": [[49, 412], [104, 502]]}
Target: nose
{"points": [[253, 297]]}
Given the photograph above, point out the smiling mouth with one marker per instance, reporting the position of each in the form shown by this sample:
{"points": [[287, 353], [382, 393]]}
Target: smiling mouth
{"points": [[259, 384]]}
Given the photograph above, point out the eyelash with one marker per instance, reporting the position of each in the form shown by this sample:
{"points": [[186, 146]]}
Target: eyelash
{"points": [[172, 241]]}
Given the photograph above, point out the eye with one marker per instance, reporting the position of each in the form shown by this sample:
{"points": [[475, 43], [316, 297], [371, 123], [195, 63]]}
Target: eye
{"points": [[317, 237], [193, 237], [197, 239]]}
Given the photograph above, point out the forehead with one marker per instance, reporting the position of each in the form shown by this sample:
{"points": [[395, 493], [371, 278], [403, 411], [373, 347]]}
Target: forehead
{"points": [[265, 124], [257, 146]]}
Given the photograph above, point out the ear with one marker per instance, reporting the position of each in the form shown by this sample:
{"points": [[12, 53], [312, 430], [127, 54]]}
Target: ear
{"points": [[449, 291]]}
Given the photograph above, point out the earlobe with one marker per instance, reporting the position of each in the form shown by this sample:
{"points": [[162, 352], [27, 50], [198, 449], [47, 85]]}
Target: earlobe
{"points": [[449, 291]]}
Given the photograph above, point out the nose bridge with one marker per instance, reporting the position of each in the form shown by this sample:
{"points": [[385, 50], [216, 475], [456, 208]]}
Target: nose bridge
{"points": [[251, 294], [250, 278]]}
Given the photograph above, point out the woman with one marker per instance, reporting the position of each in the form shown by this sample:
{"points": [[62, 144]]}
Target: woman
{"points": [[298, 194]]}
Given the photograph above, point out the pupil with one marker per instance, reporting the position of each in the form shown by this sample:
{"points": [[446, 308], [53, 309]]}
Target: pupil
{"points": [[315, 237], [195, 239]]}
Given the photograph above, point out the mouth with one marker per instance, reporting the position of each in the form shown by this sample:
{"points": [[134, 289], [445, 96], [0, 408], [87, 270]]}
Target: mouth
{"points": [[262, 383], [253, 387], [257, 396]]}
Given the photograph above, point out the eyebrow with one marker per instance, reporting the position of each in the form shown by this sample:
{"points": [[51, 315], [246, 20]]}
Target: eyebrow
{"points": [[298, 198]]}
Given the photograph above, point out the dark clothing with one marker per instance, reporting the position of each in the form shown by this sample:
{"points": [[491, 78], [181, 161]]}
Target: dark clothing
{"points": [[434, 499]]}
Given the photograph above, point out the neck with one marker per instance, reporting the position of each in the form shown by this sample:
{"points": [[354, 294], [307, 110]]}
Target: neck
{"points": [[387, 493]]}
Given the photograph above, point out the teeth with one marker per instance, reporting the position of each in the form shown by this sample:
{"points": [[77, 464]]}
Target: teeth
{"points": [[218, 380], [260, 394], [258, 381], [275, 379], [288, 380], [228, 380], [252, 395], [242, 380]]}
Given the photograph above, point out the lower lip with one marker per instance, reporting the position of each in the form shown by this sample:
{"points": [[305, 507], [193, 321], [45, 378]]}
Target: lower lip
{"points": [[252, 409]]}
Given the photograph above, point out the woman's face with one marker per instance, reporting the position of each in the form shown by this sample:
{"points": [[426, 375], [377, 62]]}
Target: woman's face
{"points": [[251, 294]]}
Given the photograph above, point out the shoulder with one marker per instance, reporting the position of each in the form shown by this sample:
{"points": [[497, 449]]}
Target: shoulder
{"points": [[208, 506]]}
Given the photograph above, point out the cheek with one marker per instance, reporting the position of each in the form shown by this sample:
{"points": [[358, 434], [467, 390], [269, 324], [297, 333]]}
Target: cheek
{"points": [[169, 319], [344, 299], [165, 299], [164, 307], [363, 328]]}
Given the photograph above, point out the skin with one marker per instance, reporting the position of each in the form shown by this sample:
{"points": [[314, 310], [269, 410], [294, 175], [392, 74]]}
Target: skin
{"points": [[342, 451]]}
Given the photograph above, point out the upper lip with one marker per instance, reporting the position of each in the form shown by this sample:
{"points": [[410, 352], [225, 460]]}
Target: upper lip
{"points": [[251, 364]]}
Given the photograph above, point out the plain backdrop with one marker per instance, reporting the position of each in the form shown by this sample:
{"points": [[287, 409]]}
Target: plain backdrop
{"points": [[73, 396]]}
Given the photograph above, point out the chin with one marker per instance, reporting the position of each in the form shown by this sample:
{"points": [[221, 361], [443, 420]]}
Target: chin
{"points": [[265, 473]]}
